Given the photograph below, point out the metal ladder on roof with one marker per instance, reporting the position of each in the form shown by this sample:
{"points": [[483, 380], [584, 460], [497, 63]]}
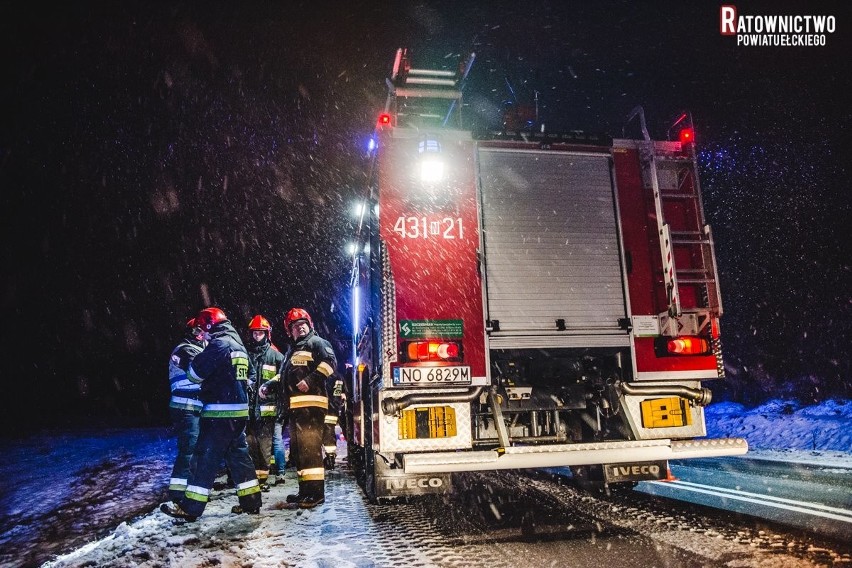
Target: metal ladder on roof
{"points": [[419, 97]]}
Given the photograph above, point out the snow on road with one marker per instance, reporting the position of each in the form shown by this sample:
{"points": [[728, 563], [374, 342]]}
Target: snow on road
{"points": [[324, 536], [68, 491]]}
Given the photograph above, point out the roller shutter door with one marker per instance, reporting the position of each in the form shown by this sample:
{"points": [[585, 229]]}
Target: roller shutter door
{"points": [[551, 249]]}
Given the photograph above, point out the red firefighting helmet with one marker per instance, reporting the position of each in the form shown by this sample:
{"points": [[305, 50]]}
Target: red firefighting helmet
{"points": [[260, 323], [295, 315], [208, 317]]}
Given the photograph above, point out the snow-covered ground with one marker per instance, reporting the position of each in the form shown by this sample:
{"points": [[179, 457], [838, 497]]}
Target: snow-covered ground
{"points": [[788, 431], [91, 496]]}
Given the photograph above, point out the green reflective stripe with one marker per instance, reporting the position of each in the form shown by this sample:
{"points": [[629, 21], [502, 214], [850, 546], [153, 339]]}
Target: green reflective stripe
{"points": [[226, 406], [177, 487], [196, 496], [237, 410], [225, 413], [248, 491]]}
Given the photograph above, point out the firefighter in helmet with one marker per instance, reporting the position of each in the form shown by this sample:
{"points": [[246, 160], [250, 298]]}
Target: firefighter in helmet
{"points": [[222, 370], [308, 364], [184, 407], [265, 359]]}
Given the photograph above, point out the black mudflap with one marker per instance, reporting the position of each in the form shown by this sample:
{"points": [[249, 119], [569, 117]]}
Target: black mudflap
{"points": [[631, 472], [625, 475], [396, 483]]}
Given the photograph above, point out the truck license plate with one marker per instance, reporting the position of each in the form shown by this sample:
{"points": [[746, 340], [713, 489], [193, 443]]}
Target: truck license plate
{"points": [[428, 376]]}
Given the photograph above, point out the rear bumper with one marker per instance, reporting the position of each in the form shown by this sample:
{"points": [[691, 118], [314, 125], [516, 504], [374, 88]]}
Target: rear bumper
{"points": [[521, 457]]}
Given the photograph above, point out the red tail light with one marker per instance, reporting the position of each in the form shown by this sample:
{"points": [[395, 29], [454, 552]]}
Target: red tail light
{"points": [[687, 135], [384, 119], [432, 351], [688, 346]]}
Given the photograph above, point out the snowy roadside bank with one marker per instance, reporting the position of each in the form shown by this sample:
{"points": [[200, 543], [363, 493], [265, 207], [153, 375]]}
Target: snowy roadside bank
{"points": [[786, 431]]}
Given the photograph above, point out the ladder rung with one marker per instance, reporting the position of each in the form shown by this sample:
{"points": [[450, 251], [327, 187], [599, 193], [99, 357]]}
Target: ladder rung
{"points": [[690, 242], [433, 72], [686, 233], [435, 93], [696, 281], [674, 195], [433, 82], [672, 158]]}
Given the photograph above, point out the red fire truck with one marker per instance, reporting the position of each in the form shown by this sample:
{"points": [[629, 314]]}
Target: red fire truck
{"points": [[526, 299]]}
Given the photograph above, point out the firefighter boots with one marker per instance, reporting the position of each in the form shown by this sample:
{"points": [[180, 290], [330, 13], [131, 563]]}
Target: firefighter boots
{"points": [[328, 461], [174, 510], [303, 501], [310, 502], [238, 510], [293, 498]]}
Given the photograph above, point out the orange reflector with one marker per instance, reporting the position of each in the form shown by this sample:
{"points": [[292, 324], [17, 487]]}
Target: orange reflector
{"points": [[688, 346]]}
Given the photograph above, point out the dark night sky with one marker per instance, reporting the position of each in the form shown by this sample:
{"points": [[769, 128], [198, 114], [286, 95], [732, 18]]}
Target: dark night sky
{"points": [[155, 159]]}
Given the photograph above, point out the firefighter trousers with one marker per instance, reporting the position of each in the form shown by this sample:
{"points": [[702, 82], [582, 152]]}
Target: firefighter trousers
{"points": [[307, 425], [329, 436], [221, 438], [185, 424], [259, 434]]}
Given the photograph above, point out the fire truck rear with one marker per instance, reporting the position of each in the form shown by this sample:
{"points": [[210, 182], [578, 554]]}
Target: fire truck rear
{"points": [[526, 299]]}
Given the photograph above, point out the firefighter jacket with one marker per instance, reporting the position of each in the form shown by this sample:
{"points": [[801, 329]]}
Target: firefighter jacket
{"points": [[224, 373], [184, 392], [310, 359], [266, 360]]}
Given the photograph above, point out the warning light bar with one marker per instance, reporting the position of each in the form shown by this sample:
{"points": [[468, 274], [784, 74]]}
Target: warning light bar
{"points": [[432, 351]]}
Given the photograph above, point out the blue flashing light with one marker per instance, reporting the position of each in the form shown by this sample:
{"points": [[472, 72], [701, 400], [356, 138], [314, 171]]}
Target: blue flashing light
{"points": [[356, 323]]}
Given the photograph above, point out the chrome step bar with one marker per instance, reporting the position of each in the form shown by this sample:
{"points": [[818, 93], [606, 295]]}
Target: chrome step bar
{"points": [[521, 457]]}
